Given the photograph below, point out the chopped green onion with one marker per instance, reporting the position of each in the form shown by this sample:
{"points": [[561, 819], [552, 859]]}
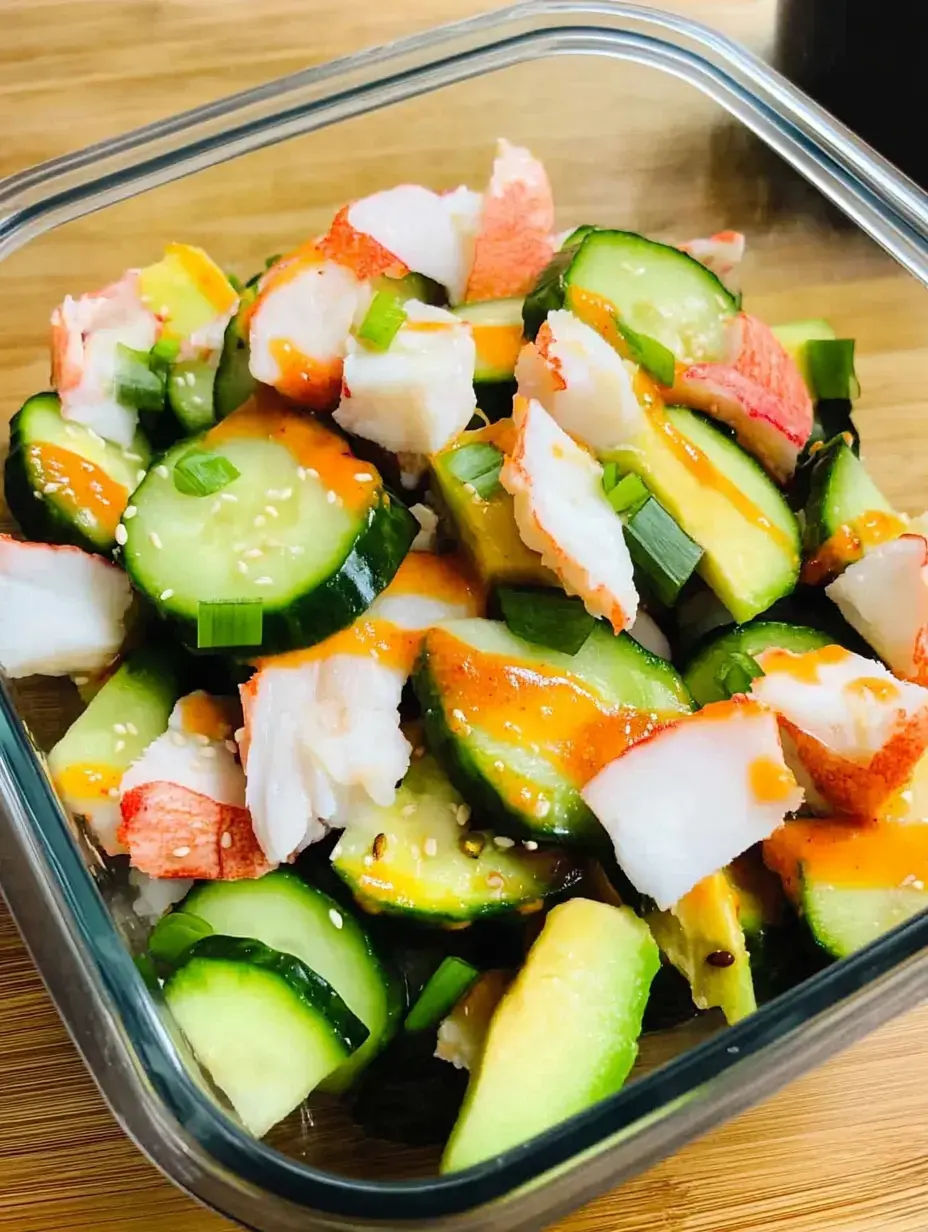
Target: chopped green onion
{"points": [[479, 465], [660, 550], [269, 261], [174, 934], [137, 386], [546, 618], [442, 992], [610, 476], [201, 473], [382, 322], [831, 368], [229, 622], [628, 494], [164, 353], [652, 355], [235, 282], [736, 674]]}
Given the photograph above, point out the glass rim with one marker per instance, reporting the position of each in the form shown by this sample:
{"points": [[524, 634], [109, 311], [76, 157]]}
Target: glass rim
{"points": [[887, 206]]}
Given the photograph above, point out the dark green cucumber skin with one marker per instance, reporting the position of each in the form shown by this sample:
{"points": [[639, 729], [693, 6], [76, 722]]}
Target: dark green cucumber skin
{"points": [[818, 527], [39, 520], [318, 996], [233, 383], [368, 568], [699, 675], [466, 776]]}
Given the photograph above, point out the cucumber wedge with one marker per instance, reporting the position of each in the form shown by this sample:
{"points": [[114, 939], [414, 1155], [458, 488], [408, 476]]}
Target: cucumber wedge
{"points": [[65, 484], [264, 1026], [305, 533], [417, 859], [565, 1034], [497, 329], [520, 729], [844, 919], [725, 666]]}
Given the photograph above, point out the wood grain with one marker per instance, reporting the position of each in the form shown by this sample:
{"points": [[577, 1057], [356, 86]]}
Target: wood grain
{"points": [[843, 1150]]}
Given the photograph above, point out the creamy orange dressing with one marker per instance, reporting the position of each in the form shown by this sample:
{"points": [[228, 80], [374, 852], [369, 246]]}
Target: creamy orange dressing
{"points": [[803, 668], [312, 445], [309, 381], [497, 346], [600, 314], [209, 279], [88, 780], [873, 688], [770, 781], [875, 855], [437, 577], [428, 327], [82, 484], [203, 715], [850, 542], [538, 707]]}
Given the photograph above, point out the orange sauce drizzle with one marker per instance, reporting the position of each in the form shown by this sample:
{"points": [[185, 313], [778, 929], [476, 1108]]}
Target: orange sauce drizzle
{"points": [[850, 542], [600, 314], [770, 781], [84, 485], [497, 346], [203, 715], [205, 274], [311, 444], [428, 327], [437, 577], [87, 780], [873, 688], [311, 382], [876, 855], [803, 668]]}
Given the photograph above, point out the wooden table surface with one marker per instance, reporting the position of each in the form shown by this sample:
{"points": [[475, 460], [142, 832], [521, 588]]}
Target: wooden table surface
{"points": [[843, 1150]]}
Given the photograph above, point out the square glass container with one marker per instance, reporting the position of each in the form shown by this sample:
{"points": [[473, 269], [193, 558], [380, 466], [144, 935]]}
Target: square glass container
{"points": [[649, 122]]}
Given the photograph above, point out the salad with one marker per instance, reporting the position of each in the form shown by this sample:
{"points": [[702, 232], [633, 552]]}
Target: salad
{"points": [[492, 645]]}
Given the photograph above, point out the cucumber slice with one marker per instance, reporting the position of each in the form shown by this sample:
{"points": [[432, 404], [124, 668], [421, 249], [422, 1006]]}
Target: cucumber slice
{"points": [[713, 675], [416, 859], [129, 712], [306, 529], [846, 918], [657, 290], [286, 914], [482, 515], [266, 1028], [521, 729], [795, 337], [724, 501], [446, 987], [702, 936], [565, 1034], [233, 384], [65, 484], [844, 507], [190, 395], [497, 329]]}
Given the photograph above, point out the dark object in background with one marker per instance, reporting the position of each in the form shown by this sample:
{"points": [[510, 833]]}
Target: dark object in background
{"points": [[857, 59]]}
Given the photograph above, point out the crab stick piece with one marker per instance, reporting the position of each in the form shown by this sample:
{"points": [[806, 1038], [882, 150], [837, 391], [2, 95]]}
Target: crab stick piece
{"points": [[514, 239], [687, 800], [562, 512], [62, 610], [418, 394], [582, 382], [858, 731], [322, 726], [757, 390], [884, 596], [721, 253]]}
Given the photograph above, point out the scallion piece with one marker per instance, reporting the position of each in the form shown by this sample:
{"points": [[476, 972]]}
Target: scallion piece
{"points": [[660, 550], [442, 992], [546, 618], [137, 386], [382, 322], [164, 353], [652, 355], [201, 473], [229, 622], [831, 368], [737, 672], [610, 476], [479, 465], [174, 934], [628, 494]]}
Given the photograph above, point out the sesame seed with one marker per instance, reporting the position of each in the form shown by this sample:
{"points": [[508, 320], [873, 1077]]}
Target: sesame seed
{"points": [[50, 487], [130, 512], [364, 477], [418, 751], [415, 851], [271, 511], [178, 738], [543, 807], [36, 495], [121, 535], [166, 594], [253, 553], [498, 765], [503, 841], [190, 378], [216, 506], [297, 549], [300, 472], [132, 457], [312, 472], [231, 746], [431, 847], [260, 521], [264, 581], [132, 729], [155, 540], [119, 729], [179, 852], [285, 493], [463, 814], [408, 809], [94, 777], [459, 715], [81, 680], [113, 793], [209, 753], [368, 860], [200, 739], [229, 497], [226, 840], [242, 567], [119, 746], [530, 845], [162, 470], [141, 473], [335, 917], [331, 497]]}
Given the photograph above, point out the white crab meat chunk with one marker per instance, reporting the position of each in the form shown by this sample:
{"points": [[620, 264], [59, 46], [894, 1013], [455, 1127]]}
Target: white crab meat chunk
{"points": [[884, 596], [86, 335], [154, 895], [582, 382], [62, 610], [858, 731], [432, 234], [417, 395], [322, 726], [722, 253], [298, 329], [196, 752], [562, 513], [684, 802]]}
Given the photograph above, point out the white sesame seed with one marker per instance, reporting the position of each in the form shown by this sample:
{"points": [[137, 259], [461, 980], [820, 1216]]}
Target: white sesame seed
{"points": [[368, 860], [81, 680], [498, 765], [121, 535], [459, 715], [543, 807], [36, 495], [300, 472], [216, 507], [199, 738], [141, 473], [364, 477], [155, 540], [226, 841], [271, 511], [113, 793], [463, 814], [209, 753], [119, 746], [132, 729], [178, 738], [418, 751], [259, 521], [231, 746], [229, 497], [51, 487], [253, 553], [335, 918], [166, 594], [430, 847], [530, 845], [132, 457], [408, 809], [179, 852], [331, 497], [264, 581], [312, 472], [162, 470], [415, 851], [285, 493], [297, 549], [190, 378], [242, 567], [165, 311], [130, 512], [119, 729], [94, 777], [503, 841]]}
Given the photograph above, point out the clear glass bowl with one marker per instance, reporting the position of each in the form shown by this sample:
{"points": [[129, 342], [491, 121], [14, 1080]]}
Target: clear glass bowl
{"points": [[646, 121]]}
